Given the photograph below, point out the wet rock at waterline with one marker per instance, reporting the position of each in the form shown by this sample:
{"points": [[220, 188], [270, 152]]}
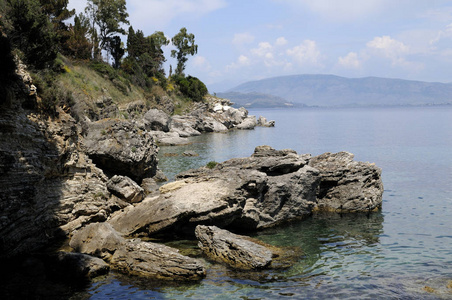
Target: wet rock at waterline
{"points": [[135, 257], [347, 185], [237, 251], [269, 188]]}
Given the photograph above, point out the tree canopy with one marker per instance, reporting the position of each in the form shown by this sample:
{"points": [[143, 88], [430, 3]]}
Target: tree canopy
{"points": [[108, 15], [185, 44]]}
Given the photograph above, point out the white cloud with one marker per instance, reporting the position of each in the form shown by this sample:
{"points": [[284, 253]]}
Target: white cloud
{"points": [[243, 60], [242, 38], [281, 41], [390, 48], [264, 49], [350, 61], [306, 53]]}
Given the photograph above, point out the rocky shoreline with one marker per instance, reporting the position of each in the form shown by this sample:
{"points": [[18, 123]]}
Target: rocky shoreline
{"points": [[95, 182]]}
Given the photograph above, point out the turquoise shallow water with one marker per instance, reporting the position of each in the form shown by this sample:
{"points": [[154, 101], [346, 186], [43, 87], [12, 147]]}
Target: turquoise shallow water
{"points": [[392, 254]]}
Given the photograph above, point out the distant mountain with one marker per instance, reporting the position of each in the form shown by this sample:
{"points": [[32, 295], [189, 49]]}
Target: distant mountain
{"points": [[330, 90], [255, 100]]}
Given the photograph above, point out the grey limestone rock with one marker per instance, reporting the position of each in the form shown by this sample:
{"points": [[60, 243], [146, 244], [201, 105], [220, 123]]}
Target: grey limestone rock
{"points": [[120, 147], [248, 123], [235, 250], [261, 121], [125, 188], [347, 185], [156, 120], [135, 257]]}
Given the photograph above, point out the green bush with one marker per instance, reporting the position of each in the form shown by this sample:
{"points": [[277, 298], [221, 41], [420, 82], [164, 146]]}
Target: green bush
{"points": [[191, 87], [211, 164]]}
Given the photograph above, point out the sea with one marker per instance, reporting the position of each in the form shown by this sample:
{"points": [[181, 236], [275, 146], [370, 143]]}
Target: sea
{"points": [[403, 251]]}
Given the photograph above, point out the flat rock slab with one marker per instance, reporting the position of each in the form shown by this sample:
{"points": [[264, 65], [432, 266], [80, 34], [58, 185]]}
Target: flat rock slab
{"points": [[135, 257], [156, 261], [235, 250]]}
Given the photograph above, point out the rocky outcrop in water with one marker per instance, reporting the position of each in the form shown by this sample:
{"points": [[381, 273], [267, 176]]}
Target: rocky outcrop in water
{"points": [[347, 185], [266, 189], [135, 257], [235, 250]]}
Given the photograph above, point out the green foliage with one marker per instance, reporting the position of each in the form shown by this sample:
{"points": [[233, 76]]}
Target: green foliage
{"points": [[108, 15], [57, 12], [78, 45], [185, 44], [112, 74], [114, 46], [31, 32], [51, 94], [211, 164], [146, 57], [191, 87]]}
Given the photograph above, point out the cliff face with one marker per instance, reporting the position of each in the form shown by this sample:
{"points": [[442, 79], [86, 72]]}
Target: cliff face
{"points": [[49, 186]]}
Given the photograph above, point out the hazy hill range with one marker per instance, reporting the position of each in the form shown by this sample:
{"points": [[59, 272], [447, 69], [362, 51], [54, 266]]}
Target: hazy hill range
{"points": [[255, 100], [330, 90]]}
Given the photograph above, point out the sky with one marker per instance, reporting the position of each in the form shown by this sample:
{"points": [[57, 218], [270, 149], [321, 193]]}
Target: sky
{"points": [[244, 40]]}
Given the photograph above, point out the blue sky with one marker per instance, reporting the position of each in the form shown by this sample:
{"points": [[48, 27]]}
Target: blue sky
{"points": [[243, 40]]}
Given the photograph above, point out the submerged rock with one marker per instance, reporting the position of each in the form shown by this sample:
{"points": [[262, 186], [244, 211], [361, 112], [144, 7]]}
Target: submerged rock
{"points": [[237, 251]]}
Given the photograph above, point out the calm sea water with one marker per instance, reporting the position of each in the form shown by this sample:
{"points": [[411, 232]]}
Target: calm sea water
{"points": [[393, 254]]}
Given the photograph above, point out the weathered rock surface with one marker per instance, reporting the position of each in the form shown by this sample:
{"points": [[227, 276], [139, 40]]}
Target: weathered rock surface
{"points": [[248, 123], [97, 239], [252, 193], [237, 251], [266, 189], [135, 257], [79, 265], [261, 121], [156, 261], [120, 147], [125, 188], [347, 185], [156, 120], [169, 138], [49, 186]]}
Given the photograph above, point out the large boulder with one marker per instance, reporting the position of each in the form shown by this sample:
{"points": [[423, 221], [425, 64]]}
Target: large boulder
{"points": [[266, 189], [157, 262], [125, 188], [120, 147], [248, 123], [262, 121], [254, 192], [185, 126], [347, 185], [135, 257], [235, 250], [156, 120]]}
